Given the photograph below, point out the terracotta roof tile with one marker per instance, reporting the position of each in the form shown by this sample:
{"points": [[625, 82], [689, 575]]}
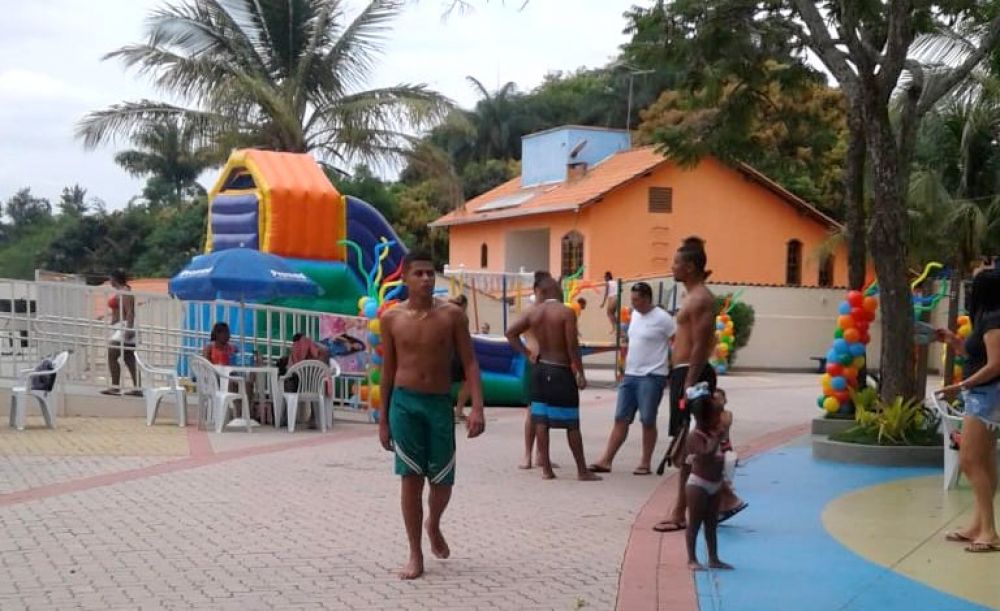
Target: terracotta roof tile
{"points": [[604, 176], [503, 202]]}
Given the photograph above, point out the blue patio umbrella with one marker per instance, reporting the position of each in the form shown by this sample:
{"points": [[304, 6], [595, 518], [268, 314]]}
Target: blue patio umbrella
{"points": [[240, 274]]}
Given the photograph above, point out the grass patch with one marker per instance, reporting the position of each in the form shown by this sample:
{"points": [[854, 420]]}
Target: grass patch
{"points": [[862, 436]]}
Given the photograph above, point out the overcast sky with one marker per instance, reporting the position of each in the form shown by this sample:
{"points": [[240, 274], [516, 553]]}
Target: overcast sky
{"points": [[51, 71]]}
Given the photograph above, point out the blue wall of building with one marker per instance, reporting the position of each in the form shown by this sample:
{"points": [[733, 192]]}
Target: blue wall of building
{"points": [[544, 155]]}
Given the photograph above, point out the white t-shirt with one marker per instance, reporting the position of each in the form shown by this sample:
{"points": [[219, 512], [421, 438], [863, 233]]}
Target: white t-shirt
{"points": [[648, 342]]}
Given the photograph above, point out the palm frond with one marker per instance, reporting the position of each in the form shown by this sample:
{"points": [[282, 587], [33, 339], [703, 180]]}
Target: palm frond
{"points": [[130, 118], [352, 57]]}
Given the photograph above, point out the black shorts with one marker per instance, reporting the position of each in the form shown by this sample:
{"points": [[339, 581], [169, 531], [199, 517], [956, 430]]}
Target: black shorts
{"points": [[555, 399], [457, 370], [680, 419]]}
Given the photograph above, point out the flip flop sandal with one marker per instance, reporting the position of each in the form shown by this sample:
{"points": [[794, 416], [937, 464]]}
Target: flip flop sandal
{"points": [[978, 547], [725, 515], [642, 471], [598, 469], [957, 537], [113, 392], [669, 526]]}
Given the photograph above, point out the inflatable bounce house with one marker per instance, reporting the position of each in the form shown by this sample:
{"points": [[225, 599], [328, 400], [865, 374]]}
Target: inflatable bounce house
{"points": [[283, 204]]}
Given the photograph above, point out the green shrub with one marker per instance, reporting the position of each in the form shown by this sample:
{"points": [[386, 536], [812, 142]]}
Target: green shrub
{"points": [[742, 315], [893, 423]]}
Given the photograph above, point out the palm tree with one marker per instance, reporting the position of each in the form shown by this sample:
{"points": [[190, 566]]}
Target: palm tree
{"points": [[283, 74], [492, 117], [169, 154]]}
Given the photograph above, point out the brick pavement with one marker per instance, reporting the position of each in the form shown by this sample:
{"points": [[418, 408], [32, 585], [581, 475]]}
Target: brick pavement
{"points": [[314, 523]]}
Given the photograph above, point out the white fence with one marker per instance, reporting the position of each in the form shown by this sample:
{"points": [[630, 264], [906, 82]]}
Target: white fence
{"points": [[42, 318]]}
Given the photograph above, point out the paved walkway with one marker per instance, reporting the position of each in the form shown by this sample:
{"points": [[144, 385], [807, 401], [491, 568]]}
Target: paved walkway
{"points": [[165, 518]]}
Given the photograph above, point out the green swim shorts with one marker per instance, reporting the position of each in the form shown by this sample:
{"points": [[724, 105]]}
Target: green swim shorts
{"points": [[423, 433]]}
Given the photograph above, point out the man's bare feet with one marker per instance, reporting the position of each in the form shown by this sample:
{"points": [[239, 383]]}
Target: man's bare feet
{"points": [[718, 564], [439, 547], [587, 476], [547, 473], [694, 565], [413, 569]]}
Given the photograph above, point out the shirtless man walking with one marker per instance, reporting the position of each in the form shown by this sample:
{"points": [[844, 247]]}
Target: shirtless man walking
{"points": [[556, 374], [416, 417], [693, 343]]}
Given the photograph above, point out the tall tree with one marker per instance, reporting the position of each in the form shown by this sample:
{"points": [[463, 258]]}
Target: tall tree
{"points": [[72, 201], [24, 209], [285, 74], [169, 154], [865, 45]]}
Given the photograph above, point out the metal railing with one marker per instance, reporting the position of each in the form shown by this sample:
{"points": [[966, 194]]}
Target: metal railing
{"points": [[41, 318]]}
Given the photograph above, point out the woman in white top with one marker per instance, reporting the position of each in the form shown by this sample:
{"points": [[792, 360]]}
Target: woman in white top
{"points": [[610, 302]]}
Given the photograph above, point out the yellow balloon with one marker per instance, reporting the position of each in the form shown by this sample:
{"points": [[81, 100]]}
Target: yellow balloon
{"points": [[374, 326], [830, 404], [374, 394], [859, 362]]}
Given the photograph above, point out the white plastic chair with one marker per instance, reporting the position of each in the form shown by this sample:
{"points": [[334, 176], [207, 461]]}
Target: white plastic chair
{"points": [[214, 398], [22, 390], [951, 429], [154, 394], [315, 385]]}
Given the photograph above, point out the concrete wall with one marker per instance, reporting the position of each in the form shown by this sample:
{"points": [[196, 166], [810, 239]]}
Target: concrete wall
{"points": [[528, 250], [791, 325]]}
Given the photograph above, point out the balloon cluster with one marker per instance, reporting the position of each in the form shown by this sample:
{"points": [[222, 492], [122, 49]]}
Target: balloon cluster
{"points": [[382, 293], [572, 285], [725, 339], [963, 328], [846, 357]]}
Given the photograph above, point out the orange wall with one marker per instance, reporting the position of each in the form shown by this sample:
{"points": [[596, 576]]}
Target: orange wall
{"points": [[746, 228]]}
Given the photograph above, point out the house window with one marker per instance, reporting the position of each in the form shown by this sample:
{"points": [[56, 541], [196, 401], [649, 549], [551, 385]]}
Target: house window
{"points": [[793, 263], [826, 271], [484, 258], [661, 200], [572, 253]]}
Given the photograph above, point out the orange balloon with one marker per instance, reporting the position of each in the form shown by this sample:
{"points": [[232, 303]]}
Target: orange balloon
{"points": [[850, 373], [852, 335], [870, 304], [845, 321], [363, 393]]}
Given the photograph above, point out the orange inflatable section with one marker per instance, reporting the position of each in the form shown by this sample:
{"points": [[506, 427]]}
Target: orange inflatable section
{"points": [[303, 214]]}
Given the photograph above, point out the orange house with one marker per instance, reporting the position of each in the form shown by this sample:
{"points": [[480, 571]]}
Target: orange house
{"points": [[586, 199]]}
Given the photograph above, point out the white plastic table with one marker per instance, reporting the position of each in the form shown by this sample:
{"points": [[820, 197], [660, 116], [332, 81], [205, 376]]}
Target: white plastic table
{"points": [[271, 375]]}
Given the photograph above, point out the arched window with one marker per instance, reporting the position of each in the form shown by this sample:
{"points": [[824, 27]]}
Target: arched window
{"points": [[572, 252], [793, 263], [826, 271], [484, 258]]}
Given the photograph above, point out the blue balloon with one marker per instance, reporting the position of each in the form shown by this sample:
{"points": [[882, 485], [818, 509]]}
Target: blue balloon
{"points": [[376, 359], [840, 346], [371, 308], [838, 383], [719, 326], [832, 356], [373, 339], [844, 308], [374, 415], [857, 349], [720, 369]]}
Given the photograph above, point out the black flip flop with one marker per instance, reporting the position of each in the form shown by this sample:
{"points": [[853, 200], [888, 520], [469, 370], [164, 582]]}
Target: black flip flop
{"points": [[671, 527], [725, 515]]}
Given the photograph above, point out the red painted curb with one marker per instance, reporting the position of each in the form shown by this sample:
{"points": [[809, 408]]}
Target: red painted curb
{"points": [[654, 574], [198, 458]]}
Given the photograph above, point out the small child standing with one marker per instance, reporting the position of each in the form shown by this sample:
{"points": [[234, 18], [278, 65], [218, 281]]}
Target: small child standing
{"points": [[705, 449]]}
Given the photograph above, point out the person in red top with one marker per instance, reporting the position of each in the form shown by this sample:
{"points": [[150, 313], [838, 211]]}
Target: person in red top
{"points": [[121, 345], [218, 350]]}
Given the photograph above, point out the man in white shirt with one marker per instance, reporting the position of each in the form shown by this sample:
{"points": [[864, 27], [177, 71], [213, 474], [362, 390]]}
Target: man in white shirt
{"points": [[646, 368]]}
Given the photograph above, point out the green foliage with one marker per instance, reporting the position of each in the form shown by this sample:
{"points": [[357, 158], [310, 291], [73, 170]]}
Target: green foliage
{"points": [[178, 235], [24, 251], [896, 422], [363, 184], [24, 209], [742, 315], [285, 75]]}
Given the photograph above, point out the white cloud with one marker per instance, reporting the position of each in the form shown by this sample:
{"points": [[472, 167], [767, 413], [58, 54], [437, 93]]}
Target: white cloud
{"points": [[51, 71]]}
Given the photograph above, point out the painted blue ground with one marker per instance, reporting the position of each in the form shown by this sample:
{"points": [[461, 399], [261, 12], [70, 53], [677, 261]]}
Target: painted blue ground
{"points": [[785, 559]]}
